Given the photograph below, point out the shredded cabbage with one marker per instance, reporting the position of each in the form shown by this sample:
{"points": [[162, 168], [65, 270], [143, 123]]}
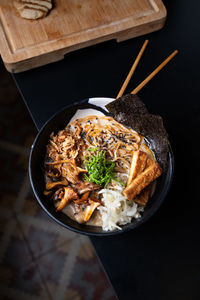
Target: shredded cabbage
{"points": [[117, 210]]}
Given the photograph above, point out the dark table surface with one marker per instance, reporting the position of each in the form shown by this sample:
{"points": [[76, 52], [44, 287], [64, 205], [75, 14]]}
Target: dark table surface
{"points": [[160, 259]]}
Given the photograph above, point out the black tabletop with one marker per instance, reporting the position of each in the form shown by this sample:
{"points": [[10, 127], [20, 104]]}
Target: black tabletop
{"points": [[160, 259]]}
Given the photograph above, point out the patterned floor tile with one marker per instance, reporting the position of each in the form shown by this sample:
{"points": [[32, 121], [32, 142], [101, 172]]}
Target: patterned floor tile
{"points": [[11, 175], [88, 278], [56, 268], [43, 234], [4, 216], [73, 272], [27, 284], [7, 202], [19, 276], [32, 208], [13, 248]]}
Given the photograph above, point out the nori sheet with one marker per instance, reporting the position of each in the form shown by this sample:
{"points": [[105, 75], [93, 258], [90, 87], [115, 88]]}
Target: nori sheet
{"points": [[132, 112]]}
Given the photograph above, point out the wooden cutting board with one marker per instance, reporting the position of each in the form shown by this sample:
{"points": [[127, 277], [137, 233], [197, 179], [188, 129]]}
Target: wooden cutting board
{"points": [[71, 25]]}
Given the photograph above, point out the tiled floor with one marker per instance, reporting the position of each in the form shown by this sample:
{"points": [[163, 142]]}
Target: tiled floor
{"points": [[39, 260]]}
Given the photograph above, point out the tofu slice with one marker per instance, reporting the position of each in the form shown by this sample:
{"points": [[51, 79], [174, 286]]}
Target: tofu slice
{"points": [[138, 164], [142, 180], [143, 197]]}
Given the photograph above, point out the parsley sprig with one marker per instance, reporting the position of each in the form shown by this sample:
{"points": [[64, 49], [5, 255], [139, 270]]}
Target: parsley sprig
{"points": [[100, 170]]}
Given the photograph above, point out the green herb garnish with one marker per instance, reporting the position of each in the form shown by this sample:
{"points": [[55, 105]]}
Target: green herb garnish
{"points": [[100, 170], [93, 149]]}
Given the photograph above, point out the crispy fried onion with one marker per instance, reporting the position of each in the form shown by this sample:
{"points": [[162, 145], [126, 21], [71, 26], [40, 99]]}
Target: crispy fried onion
{"points": [[66, 145], [61, 154]]}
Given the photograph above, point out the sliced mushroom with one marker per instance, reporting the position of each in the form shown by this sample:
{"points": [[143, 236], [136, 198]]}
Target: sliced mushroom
{"points": [[83, 186], [94, 196], [47, 193], [53, 173], [71, 171], [90, 209], [60, 162], [83, 198], [84, 211], [68, 194], [56, 184], [57, 196]]}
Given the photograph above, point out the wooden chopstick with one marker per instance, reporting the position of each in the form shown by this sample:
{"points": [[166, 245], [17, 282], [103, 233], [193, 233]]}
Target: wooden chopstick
{"points": [[134, 66], [144, 82]]}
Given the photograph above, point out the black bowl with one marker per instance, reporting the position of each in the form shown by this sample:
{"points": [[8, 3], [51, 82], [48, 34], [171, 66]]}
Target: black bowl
{"points": [[36, 161]]}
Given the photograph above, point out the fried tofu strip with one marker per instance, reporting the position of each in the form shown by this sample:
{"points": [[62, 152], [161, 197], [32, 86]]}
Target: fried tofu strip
{"points": [[143, 197], [142, 180], [138, 164]]}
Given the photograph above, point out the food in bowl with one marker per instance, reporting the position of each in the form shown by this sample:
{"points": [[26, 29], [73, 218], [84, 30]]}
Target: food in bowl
{"points": [[100, 172]]}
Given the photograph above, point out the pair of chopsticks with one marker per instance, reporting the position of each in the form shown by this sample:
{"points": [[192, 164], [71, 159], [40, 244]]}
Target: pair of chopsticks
{"points": [[148, 78]]}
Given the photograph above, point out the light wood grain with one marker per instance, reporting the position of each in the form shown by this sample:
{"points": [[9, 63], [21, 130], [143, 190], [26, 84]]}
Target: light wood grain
{"points": [[132, 70], [71, 25]]}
